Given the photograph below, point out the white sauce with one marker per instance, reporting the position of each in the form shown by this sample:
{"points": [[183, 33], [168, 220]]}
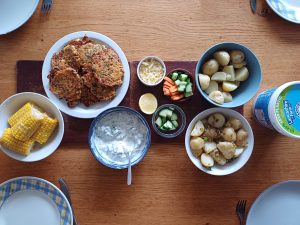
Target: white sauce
{"points": [[119, 133]]}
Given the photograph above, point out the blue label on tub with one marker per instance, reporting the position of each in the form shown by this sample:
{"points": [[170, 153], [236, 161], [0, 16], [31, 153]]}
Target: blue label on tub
{"points": [[260, 109]]}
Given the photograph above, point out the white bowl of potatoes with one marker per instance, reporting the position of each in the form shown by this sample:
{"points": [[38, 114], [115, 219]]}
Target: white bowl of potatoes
{"points": [[219, 141]]}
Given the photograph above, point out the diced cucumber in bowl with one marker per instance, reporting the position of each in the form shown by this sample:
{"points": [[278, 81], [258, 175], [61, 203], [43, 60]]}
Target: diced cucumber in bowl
{"points": [[167, 119]]}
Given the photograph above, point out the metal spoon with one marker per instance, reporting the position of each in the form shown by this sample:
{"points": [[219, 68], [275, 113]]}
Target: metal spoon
{"points": [[65, 190], [129, 174]]}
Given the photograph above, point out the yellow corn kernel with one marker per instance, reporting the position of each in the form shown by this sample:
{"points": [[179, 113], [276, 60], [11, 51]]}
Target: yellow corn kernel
{"points": [[13, 144], [21, 112], [46, 129], [27, 125]]}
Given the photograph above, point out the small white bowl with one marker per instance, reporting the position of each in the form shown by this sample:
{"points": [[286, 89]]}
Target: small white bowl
{"points": [[161, 62], [230, 167], [15, 102], [80, 110]]}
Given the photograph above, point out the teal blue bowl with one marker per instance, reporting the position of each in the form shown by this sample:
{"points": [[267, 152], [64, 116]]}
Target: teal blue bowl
{"points": [[248, 89]]}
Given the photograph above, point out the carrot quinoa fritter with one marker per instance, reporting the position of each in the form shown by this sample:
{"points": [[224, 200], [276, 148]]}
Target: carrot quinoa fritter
{"points": [[85, 72]]}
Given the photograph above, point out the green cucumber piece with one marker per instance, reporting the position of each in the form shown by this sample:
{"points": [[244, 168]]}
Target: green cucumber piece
{"points": [[188, 94], [168, 125], [174, 76], [181, 88], [174, 116], [175, 123], [188, 88], [183, 77], [159, 121], [177, 82], [164, 113]]}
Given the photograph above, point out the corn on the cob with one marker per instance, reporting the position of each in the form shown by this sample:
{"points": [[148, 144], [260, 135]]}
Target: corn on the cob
{"points": [[46, 129], [21, 112], [10, 142], [27, 125]]}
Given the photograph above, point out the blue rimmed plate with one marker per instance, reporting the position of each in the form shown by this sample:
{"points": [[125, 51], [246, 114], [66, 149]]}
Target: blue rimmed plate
{"points": [[287, 9], [34, 201], [277, 205]]}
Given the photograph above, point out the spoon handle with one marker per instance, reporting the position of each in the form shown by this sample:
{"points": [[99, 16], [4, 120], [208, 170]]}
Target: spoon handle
{"points": [[129, 175], [64, 188]]}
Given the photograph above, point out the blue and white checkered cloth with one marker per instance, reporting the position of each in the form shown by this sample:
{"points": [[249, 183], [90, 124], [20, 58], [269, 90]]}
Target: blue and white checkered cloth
{"points": [[23, 184]]}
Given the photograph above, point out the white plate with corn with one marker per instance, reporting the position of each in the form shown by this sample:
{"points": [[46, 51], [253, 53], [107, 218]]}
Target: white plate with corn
{"points": [[31, 127]]}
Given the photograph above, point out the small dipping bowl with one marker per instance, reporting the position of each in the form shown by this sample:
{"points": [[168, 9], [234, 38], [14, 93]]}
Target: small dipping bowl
{"points": [[248, 88], [192, 81], [149, 58], [101, 146], [181, 121]]}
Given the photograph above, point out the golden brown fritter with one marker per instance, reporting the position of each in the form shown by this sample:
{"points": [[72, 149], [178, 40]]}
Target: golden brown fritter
{"points": [[87, 72], [101, 92], [80, 41], [67, 84], [108, 68], [67, 57], [87, 97], [87, 51]]}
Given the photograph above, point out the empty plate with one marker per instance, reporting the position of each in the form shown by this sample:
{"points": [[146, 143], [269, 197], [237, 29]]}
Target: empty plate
{"points": [[14, 13], [287, 9], [278, 205], [34, 201]]}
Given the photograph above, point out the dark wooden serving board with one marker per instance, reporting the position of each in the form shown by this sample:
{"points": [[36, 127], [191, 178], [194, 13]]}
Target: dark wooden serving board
{"points": [[29, 78]]}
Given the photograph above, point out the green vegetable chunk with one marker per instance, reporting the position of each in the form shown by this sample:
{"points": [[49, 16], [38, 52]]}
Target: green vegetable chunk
{"points": [[174, 76]]}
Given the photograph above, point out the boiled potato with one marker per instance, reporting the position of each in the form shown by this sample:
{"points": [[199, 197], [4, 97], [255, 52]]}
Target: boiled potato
{"points": [[229, 86], [237, 56], [216, 120], [213, 86], [196, 144], [242, 74], [217, 97], [238, 152], [220, 76], [205, 122], [218, 157], [230, 71], [227, 97], [222, 57], [227, 149], [228, 134], [212, 133], [209, 147], [239, 65], [206, 160], [204, 81], [210, 67], [234, 123], [198, 129], [241, 138]]}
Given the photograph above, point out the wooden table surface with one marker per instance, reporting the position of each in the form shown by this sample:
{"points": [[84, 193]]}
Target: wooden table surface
{"points": [[167, 188]]}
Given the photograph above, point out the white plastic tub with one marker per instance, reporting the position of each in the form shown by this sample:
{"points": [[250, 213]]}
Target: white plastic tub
{"points": [[279, 109]]}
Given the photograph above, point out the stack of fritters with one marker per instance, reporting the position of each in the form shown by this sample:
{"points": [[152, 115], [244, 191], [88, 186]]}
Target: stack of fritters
{"points": [[85, 71]]}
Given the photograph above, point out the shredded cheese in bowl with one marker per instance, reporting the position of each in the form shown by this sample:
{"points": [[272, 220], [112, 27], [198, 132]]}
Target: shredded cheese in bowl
{"points": [[151, 71]]}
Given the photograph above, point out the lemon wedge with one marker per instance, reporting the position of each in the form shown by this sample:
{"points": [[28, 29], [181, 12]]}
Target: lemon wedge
{"points": [[148, 103]]}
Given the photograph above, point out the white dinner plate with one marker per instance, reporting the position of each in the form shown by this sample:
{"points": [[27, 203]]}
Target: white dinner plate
{"points": [[80, 110], [287, 9], [14, 13], [278, 205], [33, 201]]}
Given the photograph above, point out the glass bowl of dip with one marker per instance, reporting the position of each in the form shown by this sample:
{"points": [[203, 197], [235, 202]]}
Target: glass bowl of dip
{"points": [[117, 132], [151, 71], [181, 121]]}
